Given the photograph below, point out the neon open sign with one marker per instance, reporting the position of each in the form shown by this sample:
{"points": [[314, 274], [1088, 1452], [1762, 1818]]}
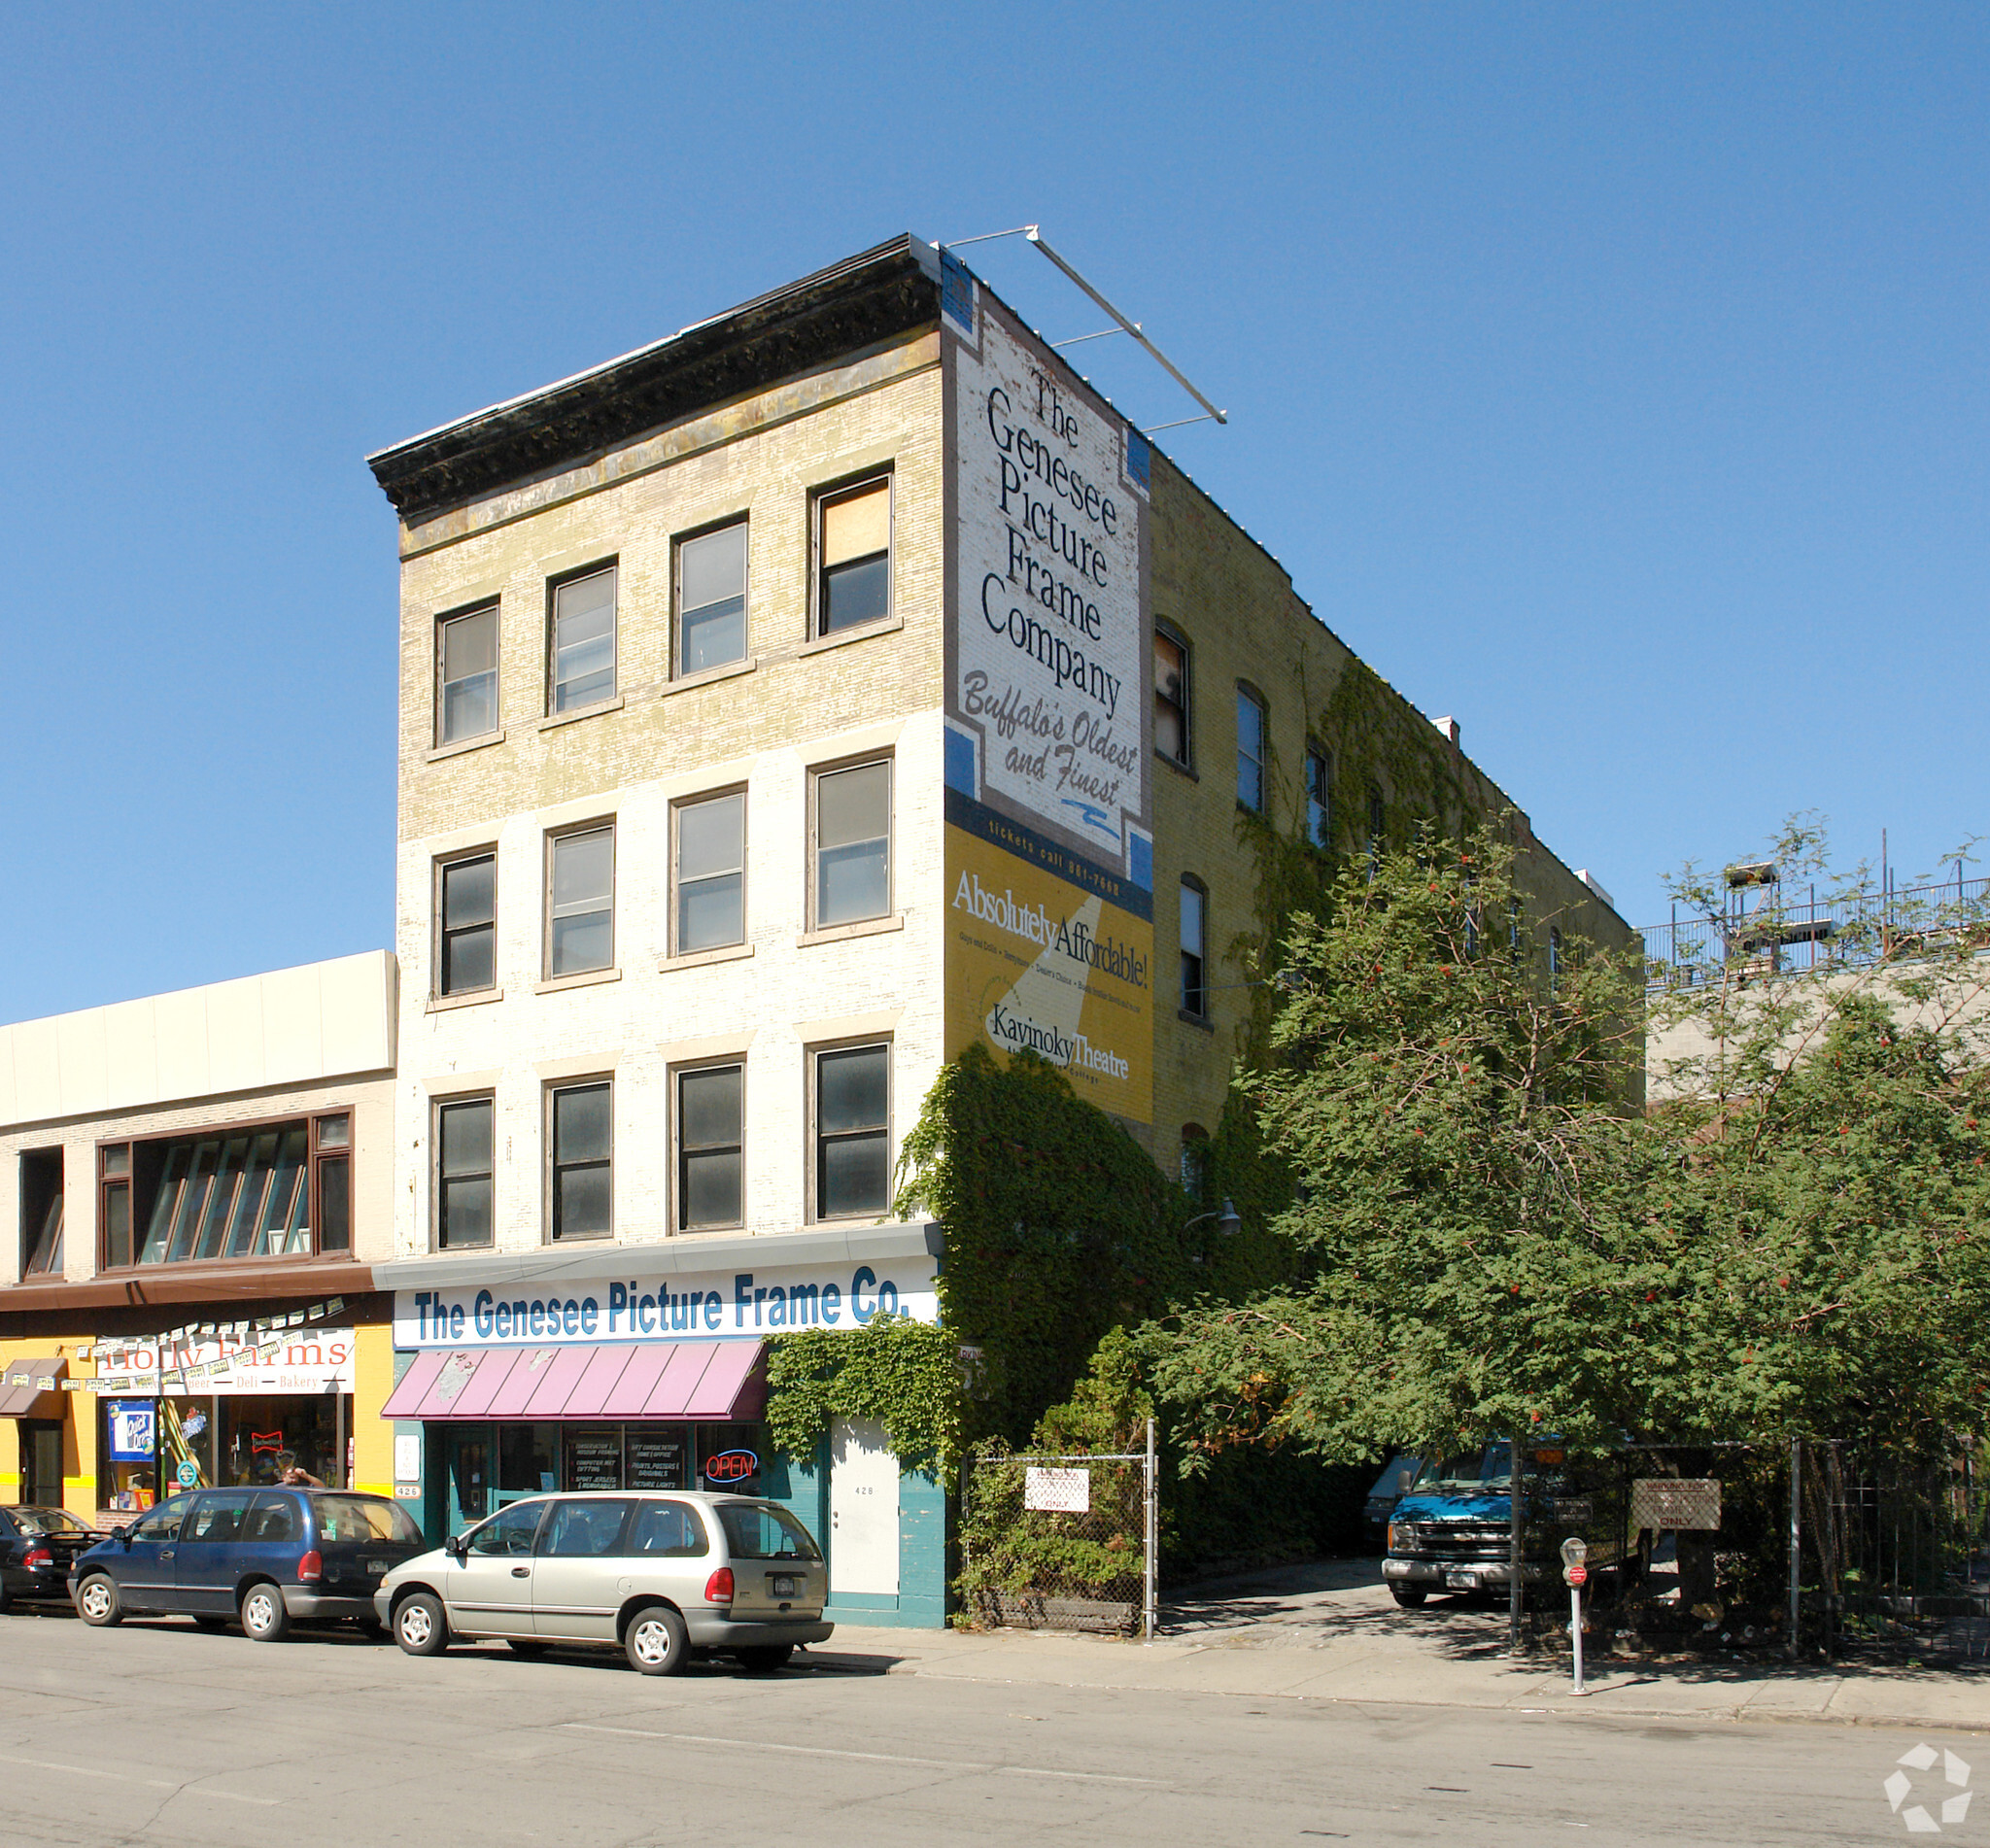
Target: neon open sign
{"points": [[731, 1466]]}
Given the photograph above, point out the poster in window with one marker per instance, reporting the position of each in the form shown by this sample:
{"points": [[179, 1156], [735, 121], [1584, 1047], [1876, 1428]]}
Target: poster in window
{"points": [[593, 1459], [656, 1461]]}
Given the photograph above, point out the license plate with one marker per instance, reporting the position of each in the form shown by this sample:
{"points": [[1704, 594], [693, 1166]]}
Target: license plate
{"points": [[1461, 1581], [375, 1568], [784, 1586]]}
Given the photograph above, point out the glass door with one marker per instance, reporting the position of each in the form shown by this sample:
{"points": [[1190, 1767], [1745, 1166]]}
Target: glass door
{"points": [[466, 1466], [41, 1458]]}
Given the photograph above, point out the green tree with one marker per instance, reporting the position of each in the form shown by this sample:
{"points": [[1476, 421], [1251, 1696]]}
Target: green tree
{"points": [[1460, 1122], [1819, 1121]]}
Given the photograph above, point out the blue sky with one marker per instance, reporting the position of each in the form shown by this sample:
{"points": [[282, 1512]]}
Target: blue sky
{"points": [[1610, 377]]}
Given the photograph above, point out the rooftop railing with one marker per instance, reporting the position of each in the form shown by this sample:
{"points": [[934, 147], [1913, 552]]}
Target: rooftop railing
{"points": [[1792, 937]]}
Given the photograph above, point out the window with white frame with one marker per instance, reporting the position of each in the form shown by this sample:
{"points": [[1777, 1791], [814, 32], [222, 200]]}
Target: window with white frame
{"points": [[708, 873], [851, 1112], [1195, 926], [1319, 797], [1250, 749], [581, 900], [580, 1173], [711, 599], [467, 676], [853, 555], [581, 665], [850, 856]]}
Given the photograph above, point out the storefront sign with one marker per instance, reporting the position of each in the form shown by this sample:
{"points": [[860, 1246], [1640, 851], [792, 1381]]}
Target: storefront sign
{"points": [[1046, 953], [1050, 667], [737, 1305], [1057, 1491], [317, 1360], [731, 1466]]}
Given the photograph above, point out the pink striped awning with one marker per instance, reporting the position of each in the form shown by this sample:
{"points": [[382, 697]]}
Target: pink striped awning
{"points": [[711, 1380]]}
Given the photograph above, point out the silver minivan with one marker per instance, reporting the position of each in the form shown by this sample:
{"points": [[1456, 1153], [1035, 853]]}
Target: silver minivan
{"points": [[663, 1576]]}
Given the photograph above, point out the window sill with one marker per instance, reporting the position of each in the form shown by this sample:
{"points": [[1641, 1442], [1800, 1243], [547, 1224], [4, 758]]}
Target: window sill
{"points": [[1176, 765], [483, 741], [445, 1004], [698, 958], [842, 932], [706, 676], [594, 711], [1201, 1021], [585, 978], [863, 632]]}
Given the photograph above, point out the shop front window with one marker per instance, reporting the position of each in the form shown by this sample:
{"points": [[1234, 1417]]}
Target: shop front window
{"points": [[527, 1458]]}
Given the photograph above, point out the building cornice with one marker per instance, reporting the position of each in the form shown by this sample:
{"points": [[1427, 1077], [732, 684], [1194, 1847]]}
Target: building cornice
{"points": [[872, 297]]}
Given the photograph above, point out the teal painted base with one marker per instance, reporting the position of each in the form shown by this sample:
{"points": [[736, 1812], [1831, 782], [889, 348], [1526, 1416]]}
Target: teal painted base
{"points": [[803, 1489]]}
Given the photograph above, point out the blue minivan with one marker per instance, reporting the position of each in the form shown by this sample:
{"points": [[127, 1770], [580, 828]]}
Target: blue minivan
{"points": [[257, 1557]]}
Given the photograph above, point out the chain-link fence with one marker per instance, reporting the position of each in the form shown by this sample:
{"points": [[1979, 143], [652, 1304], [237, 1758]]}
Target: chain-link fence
{"points": [[1061, 1542], [1898, 1555]]}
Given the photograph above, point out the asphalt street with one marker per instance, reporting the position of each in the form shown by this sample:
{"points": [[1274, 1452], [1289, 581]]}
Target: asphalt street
{"points": [[161, 1733]]}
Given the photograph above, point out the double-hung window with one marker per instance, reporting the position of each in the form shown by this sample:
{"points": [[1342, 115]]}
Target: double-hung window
{"points": [[1250, 749], [467, 924], [1171, 697], [580, 1160], [580, 900], [466, 1142], [852, 1132], [1319, 799], [581, 663], [467, 676], [852, 857], [710, 1146], [711, 599], [709, 877], [853, 555], [1195, 926]]}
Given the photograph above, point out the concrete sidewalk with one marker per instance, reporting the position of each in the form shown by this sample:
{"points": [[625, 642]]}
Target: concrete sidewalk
{"points": [[1331, 1632]]}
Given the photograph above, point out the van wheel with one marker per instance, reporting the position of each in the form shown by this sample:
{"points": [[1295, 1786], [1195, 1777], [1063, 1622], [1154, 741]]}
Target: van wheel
{"points": [[419, 1626], [263, 1616], [766, 1658], [1407, 1598], [656, 1641], [96, 1602]]}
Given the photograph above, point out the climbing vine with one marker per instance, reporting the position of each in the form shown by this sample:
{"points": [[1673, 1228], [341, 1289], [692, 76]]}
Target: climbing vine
{"points": [[1058, 1227], [904, 1374]]}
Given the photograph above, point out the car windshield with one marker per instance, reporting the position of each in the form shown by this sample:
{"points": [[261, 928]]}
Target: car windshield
{"points": [[47, 1520], [357, 1518], [756, 1531], [1485, 1472]]}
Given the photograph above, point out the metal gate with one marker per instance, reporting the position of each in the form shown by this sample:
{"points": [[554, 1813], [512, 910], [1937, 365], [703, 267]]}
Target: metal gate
{"points": [[1066, 1542]]}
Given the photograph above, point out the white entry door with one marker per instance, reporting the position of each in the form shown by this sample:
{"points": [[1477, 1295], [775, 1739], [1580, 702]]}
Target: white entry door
{"points": [[863, 1511]]}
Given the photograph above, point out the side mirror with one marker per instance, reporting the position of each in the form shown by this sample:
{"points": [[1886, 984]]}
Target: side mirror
{"points": [[124, 1537], [456, 1545]]}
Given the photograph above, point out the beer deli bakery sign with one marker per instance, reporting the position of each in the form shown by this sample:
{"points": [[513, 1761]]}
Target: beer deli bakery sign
{"points": [[1049, 666]]}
